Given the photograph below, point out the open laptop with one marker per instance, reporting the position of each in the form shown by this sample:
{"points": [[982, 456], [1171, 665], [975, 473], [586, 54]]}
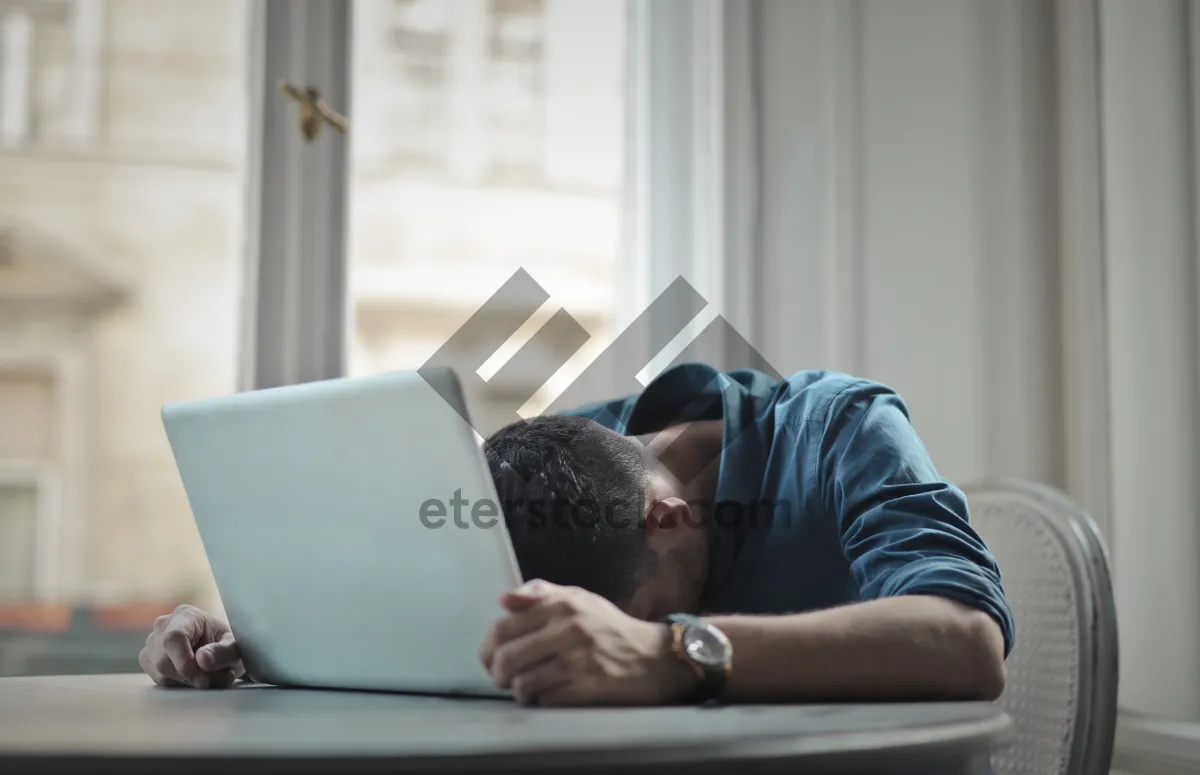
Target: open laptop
{"points": [[327, 511]]}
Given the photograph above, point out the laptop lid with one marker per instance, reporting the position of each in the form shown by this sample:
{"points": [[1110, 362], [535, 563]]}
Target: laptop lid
{"points": [[353, 530]]}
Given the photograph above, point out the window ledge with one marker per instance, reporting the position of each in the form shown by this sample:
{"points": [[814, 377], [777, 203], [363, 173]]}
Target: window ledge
{"points": [[1147, 745]]}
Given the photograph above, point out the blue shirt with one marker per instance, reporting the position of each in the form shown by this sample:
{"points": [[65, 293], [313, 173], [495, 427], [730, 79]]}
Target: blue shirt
{"points": [[825, 495]]}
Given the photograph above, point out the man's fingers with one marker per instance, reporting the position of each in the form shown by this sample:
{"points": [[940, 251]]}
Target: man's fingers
{"points": [[505, 629], [190, 648], [160, 668], [528, 594], [538, 587], [518, 601], [532, 619], [488, 648], [541, 678], [523, 622], [516, 656], [177, 646], [222, 655], [222, 679], [167, 675], [148, 667]]}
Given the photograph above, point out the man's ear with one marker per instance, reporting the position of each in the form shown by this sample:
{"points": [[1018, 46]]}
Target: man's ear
{"points": [[666, 519]]}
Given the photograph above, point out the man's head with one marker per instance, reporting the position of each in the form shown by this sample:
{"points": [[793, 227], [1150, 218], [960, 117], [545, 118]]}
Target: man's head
{"points": [[587, 507]]}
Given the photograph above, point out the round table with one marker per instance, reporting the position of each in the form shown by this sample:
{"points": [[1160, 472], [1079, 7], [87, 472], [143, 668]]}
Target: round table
{"points": [[123, 723]]}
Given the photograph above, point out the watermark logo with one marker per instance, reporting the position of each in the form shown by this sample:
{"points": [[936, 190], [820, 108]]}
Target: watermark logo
{"points": [[464, 513], [612, 375], [613, 371]]}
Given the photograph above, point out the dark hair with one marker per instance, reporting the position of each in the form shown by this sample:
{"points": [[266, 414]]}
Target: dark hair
{"points": [[573, 495]]}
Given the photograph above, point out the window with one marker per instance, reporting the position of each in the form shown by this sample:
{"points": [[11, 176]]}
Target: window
{"points": [[418, 56], [27, 415], [18, 541], [459, 86], [511, 158], [49, 55], [28, 454], [516, 56]]}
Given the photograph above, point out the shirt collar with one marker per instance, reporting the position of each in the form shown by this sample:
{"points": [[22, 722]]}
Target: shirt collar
{"points": [[694, 391]]}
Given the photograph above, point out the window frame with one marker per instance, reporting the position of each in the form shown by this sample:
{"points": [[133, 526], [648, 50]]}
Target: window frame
{"points": [[294, 305], [60, 531], [696, 58], [296, 314], [85, 25], [46, 482]]}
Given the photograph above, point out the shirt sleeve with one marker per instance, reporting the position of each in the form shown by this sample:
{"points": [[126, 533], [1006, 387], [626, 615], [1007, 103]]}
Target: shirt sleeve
{"points": [[905, 530]]}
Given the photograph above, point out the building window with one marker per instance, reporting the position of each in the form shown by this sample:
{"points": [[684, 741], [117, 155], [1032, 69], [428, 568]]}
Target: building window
{"points": [[419, 47], [49, 60], [18, 550], [515, 106], [28, 417], [467, 96]]}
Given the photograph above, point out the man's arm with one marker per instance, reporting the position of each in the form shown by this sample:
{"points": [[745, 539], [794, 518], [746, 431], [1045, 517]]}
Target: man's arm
{"points": [[900, 648], [566, 646], [934, 624]]}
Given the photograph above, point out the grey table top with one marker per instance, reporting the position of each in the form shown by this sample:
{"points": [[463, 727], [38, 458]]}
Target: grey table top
{"points": [[123, 720]]}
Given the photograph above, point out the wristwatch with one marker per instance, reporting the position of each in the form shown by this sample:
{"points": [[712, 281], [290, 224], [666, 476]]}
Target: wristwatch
{"points": [[706, 650]]}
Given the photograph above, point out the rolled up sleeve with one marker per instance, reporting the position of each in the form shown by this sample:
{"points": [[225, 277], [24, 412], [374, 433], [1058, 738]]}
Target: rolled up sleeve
{"points": [[905, 530]]}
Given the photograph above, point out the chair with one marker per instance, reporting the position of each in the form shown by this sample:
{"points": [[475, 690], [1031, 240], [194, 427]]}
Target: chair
{"points": [[1062, 674]]}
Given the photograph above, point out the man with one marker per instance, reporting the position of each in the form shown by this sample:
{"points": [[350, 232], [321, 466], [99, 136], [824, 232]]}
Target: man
{"points": [[801, 518]]}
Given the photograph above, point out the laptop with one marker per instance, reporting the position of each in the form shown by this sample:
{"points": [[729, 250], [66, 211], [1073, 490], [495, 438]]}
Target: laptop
{"points": [[353, 530]]}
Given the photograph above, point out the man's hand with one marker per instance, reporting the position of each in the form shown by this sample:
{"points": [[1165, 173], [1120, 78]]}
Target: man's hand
{"points": [[566, 646], [191, 648]]}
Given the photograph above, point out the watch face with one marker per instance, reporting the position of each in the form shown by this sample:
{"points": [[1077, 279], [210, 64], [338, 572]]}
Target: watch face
{"points": [[707, 646]]}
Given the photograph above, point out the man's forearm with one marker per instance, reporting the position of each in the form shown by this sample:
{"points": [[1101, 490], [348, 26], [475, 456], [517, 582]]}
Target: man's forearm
{"points": [[898, 648]]}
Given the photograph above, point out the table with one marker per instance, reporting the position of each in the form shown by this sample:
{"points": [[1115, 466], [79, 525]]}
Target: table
{"points": [[122, 723]]}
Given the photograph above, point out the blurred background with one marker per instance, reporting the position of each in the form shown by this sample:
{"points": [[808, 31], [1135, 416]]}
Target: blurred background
{"points": [[988, 204]]}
